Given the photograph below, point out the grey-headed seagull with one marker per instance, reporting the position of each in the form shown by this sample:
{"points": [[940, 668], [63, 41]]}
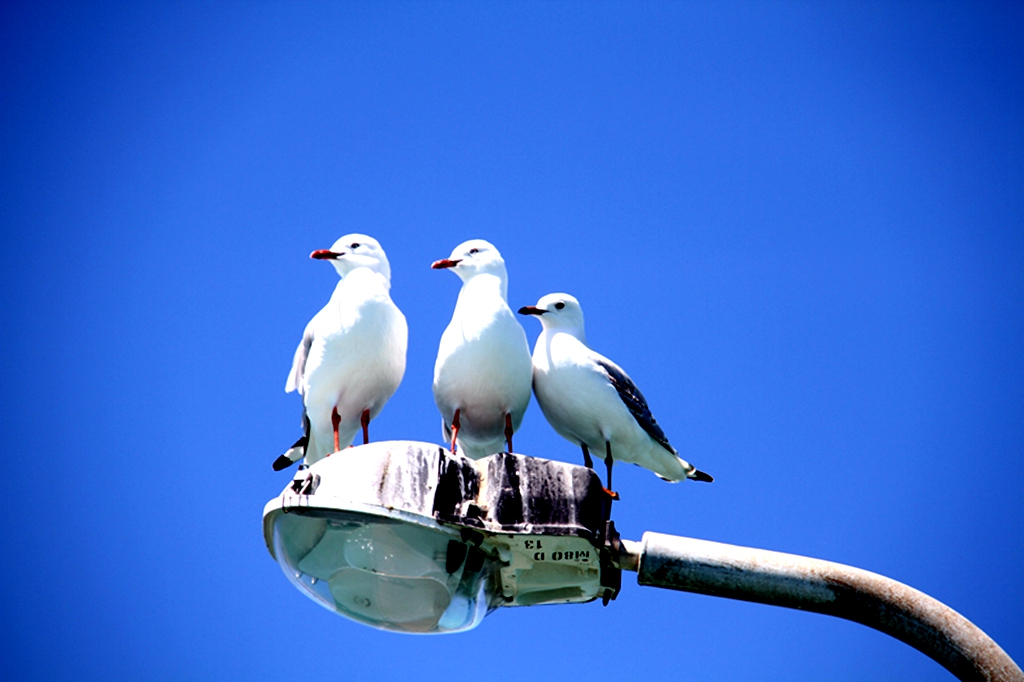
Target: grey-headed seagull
{"points": [[591, 401], [352, 354], [483, 371]]}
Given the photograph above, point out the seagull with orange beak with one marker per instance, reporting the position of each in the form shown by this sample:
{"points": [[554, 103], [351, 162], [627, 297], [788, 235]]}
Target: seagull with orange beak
{"points": [[352, 355], [483, 374]]}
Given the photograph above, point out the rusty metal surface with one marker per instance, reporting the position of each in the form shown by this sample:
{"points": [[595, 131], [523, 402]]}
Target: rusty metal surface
{"points": [[833, 589], [500, 493]]}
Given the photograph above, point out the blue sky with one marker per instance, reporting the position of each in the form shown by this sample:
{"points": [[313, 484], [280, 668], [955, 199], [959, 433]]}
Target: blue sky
{"points": [[799, 226]]}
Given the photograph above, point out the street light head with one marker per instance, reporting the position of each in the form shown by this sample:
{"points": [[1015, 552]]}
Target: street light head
{"points": [[385, 573], [408, 537]]}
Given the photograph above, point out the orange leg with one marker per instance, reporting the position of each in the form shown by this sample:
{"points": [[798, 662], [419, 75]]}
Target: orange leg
{"points": [[508, 431], [455, 430], [365, 421], [335, 421]]}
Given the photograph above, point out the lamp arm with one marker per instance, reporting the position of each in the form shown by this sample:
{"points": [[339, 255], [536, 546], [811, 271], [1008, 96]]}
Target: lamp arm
{"points": [[798, 582]]}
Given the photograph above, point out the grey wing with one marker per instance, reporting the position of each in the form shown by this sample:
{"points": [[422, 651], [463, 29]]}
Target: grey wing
{"points": [[635, 402], [294, 382]]}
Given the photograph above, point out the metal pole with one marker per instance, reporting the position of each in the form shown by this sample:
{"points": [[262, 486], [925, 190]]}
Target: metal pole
{"points": [[798, 582]]}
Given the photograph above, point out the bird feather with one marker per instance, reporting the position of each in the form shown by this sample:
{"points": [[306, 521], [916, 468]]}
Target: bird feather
{"points": [[636, 403]]}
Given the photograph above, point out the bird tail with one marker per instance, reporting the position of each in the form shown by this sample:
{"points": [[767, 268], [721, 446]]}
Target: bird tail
{"points": [[699, 475], [296, 452], [694, 473], [691, 471], [292, 455], [685, 470]]}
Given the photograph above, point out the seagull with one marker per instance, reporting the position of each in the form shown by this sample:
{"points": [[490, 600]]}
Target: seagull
{"points": [[591, 401], [352, 354], [483, 373]]}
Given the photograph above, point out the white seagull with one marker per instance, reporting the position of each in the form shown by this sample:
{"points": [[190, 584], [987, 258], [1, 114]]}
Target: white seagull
{"points": [[352, 354], [591, 401], [483, 374]]}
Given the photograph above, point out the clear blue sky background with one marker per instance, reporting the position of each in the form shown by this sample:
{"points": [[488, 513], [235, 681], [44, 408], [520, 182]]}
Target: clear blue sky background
{"points": [[799, 226]]}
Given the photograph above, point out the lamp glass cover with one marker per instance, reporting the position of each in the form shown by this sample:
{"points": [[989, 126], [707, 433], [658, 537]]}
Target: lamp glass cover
{"points": [[383, 572]]}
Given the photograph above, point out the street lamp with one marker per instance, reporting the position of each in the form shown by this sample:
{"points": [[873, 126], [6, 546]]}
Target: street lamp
{"points": [[409, 537]]}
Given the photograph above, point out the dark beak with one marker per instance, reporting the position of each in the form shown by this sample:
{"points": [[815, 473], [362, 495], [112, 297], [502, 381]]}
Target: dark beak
{"points": [[445, 263], [531, 310], [325, 254]]}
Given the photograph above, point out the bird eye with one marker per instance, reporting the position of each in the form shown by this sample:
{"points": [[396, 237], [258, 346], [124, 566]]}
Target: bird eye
{"points": [[354, 245], [559, 305], [472, 251]]}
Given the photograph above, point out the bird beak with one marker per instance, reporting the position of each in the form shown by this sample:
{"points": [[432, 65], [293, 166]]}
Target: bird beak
{"points": [[445, 263], [325, 254], [531, 310]]}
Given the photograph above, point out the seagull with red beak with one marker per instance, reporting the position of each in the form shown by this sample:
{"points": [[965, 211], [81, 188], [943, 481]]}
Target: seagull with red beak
{"points": [[352, 354], [592, 402], [483, 374]]}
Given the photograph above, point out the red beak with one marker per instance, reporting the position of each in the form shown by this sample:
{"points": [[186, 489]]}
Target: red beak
{"points": [[324, 254], [445, 263], [531, 310]]}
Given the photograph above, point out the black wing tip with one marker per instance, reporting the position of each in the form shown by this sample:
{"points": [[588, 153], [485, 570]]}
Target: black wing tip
{"points": [[699, 475], [282, 463], [635, 402]]}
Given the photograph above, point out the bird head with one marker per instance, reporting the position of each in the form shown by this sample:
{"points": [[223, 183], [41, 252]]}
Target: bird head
{"points": [[356, 251], [560, 312], [472, 258]]}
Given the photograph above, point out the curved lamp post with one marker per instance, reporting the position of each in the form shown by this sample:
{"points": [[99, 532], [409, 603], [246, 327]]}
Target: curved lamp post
{"points": [[408, 537]]}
